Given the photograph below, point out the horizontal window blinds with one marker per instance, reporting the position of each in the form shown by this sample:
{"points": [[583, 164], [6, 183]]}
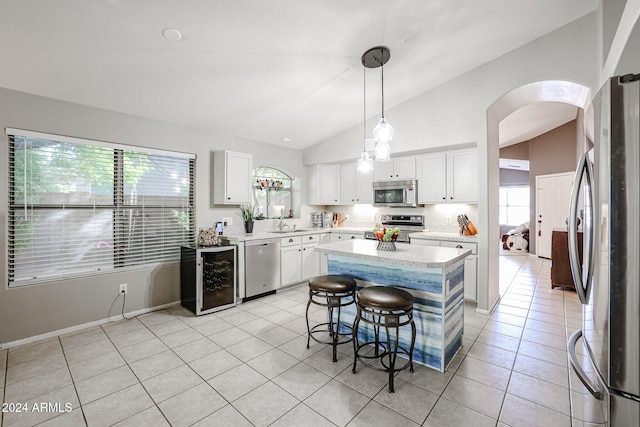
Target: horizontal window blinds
{"points": [[77, 208]]}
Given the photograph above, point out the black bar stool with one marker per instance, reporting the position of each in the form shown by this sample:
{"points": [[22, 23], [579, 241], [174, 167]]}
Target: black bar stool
{"points": [[332, 291], [391, 308]]}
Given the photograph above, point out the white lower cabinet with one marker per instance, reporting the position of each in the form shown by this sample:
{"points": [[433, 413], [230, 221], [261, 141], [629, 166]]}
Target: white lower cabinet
{"points": [[339, 236], [298, 258], [290, 260], [470, 263], [324, 257]]}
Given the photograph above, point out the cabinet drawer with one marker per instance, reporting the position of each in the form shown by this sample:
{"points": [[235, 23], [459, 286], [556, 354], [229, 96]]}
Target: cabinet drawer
{"points": [[290, 241], [472, 246], [425, 242], [311, 238]]}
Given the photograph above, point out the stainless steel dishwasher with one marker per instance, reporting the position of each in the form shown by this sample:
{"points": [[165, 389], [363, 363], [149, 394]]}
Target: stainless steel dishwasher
{"points": [[261, 267]]}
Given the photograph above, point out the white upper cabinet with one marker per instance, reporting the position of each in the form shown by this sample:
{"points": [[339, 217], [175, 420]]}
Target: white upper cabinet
{"points": [[324, 185], [355, 186], [395, 169], [448, 177], [232, 178], [462, 176], [432, 178]]}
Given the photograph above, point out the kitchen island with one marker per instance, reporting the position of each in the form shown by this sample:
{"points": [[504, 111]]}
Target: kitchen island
{"points": [[433, 275]]}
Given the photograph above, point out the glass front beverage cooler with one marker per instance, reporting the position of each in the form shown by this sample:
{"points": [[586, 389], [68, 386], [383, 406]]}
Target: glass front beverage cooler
{"points": [[208, 278]]}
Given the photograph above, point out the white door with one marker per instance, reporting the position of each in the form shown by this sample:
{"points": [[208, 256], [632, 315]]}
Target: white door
{"points": [[553, 193]]}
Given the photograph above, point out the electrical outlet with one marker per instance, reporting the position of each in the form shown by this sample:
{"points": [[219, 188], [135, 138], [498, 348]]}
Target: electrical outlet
{"points": [[123, 288], [227, 221], [448, 219]]}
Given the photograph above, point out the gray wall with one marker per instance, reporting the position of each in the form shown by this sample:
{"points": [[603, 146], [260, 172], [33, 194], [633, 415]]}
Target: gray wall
{"points": [[38, 309], [552, 152]]}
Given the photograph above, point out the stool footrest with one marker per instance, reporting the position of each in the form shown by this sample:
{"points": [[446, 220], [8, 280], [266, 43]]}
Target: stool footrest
{"points": [[325, 328]]}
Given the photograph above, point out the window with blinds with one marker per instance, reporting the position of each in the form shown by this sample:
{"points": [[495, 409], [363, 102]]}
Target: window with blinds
{"points": [[79, 207]]}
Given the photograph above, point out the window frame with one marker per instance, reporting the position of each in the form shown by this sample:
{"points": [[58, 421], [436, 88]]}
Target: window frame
{"points": [[506, 205], [119, 205], [287, 187]]}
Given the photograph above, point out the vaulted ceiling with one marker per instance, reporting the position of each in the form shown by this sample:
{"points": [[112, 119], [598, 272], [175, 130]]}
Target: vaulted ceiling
{"points": [[259, 70]]}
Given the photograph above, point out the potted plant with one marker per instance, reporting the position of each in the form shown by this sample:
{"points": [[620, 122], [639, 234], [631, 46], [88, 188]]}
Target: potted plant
{"points": [[249, 212]]}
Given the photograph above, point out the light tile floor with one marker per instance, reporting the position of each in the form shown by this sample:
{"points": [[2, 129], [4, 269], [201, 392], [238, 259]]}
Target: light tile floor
{"points": [[249, 366]]}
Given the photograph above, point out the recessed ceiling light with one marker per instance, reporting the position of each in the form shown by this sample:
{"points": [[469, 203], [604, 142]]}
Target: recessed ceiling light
{"points": [[172, 34], [287, 139]]}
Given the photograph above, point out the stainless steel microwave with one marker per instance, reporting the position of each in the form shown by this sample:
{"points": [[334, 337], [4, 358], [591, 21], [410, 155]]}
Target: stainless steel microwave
{"points": [[399, 194]]}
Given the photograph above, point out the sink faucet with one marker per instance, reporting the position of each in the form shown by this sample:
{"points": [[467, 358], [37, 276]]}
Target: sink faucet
{"points": [[281, 222]]}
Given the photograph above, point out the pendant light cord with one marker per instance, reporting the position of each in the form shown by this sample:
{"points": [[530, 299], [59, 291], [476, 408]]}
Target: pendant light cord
{"points": [[382, 68], [364, 97]]}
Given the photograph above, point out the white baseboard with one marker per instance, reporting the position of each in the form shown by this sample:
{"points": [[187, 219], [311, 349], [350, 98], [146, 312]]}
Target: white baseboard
{"points": [[495, 303], [84, 326]]}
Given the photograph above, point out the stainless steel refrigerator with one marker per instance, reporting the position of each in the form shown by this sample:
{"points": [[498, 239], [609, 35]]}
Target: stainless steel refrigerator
{"points": [[606, 191]]}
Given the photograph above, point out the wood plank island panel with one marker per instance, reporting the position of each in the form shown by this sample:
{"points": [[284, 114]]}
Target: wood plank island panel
{"points": [[435, 278]]}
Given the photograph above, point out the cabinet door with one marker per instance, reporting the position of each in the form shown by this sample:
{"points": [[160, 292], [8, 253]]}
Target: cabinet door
{"points": [[404, 168], [432, 178], [329, 181], [238, 177], [471, 277], [290, 265], [348, 184], [310, 261], [383, 171], [364, 186], [462, 176]]}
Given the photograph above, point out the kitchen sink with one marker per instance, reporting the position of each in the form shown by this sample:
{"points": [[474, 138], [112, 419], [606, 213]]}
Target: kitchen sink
{"points": [[287, 231]]}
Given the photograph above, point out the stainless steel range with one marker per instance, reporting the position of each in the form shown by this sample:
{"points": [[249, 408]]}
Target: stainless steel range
{"points": [[406, 223]]}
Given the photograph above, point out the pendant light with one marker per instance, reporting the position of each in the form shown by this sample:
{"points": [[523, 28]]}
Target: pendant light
{"points": [[365, 163], [383, 132]]}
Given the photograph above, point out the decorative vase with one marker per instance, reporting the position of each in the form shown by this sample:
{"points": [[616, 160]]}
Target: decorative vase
{"points": [[248, 226]]}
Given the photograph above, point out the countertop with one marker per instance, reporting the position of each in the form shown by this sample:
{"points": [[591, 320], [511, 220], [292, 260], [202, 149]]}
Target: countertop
{"points": [[451, 237], [263, 235], [405, 254]]}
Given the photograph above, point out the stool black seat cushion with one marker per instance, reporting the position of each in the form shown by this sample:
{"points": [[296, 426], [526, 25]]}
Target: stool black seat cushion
{"points": [[332, 283], [385, 298]]}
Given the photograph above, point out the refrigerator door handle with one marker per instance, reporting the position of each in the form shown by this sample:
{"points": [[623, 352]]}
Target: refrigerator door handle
{"points": [[594, 389], [582, 288]]}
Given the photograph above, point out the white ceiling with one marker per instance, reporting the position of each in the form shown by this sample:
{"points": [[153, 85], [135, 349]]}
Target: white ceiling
{"points": [[534, 120], [260, 70]]}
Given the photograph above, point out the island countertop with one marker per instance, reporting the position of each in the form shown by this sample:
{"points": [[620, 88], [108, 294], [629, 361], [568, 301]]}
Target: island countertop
{"points": [[405, 254]]}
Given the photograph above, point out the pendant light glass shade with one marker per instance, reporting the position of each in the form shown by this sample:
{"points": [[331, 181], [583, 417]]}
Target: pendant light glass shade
{"points": [[383, 152], [365, 163], [383, 132]]}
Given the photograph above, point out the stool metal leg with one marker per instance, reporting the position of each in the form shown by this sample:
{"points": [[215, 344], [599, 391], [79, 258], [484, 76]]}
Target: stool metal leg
{"points": [[356, 322], [307, 318]]}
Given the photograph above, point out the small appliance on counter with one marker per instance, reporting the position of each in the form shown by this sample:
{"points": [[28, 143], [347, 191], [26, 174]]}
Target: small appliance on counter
{"points": [[406, 223], [321, 219]]}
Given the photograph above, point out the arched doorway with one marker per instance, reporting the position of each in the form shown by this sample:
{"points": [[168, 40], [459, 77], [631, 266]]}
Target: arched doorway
{"points": [[544, 91]]}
